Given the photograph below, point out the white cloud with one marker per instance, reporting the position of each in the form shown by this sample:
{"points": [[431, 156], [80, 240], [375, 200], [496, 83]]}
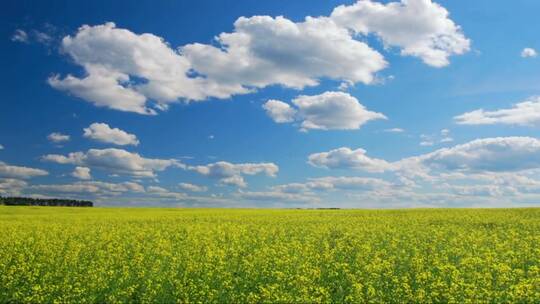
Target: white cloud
{"points": [[58, 137], [421, 28], [102, 132], [528, 52], [279, 111], [142, 73], [11, 186], [499, 154], [394, 130], [1, 147], [232, 174], [276, 197], [492, 155], [251, 57], [446, 139], [164, 193], [81, 173], [526, 113], [192, 187], [346, 182], [346, 158], [20, 36], [116, 161], [18, 172], [96, 188], [327, 111], [116, 59], [262, 51]]}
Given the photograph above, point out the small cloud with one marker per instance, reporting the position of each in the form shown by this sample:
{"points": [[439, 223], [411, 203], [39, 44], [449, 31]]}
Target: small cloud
{"points": [[394, 130], [345, 85], [1, 147], [426, 143], [81, 173], [210, 136], [58, 137], [192, 187], [20, 36], [445, 132], [447, 140], [42, 37], [528, 52]]}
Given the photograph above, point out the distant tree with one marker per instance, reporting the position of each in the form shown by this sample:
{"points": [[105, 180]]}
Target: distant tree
{"points": [[29, 201]]}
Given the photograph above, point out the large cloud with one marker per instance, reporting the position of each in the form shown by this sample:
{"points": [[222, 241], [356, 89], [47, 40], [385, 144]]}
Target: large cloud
{"points": [[263, 50], [499, 154], [129, 72], [232, 174], [124, 69], [350, 159], [18, 172], [102, 132], [420, 28], [116, 161], [327, 111], [526, 113]]}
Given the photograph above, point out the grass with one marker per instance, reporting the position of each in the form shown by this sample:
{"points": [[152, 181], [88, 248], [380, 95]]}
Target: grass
{"points": [[100, 255]]}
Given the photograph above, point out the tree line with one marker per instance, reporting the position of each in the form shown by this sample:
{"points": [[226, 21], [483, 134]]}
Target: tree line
{"points": [[29, 201]]}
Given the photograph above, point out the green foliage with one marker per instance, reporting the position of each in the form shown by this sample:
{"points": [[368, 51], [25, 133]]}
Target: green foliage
{"points": [[30, 201], [96, 255]]}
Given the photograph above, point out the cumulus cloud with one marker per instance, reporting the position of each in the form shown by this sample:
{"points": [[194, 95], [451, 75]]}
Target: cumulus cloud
{"points": [[232, 174], [142, 73], [526, 113], [279, 111], [124, 70], [262, 51], [528, 52], [19, 172], [327, 111], [499, 154], [102, 132], [58, 137], [349, 159], [192, 187], [421, 28], [81, 173], [1, 147], [116, 161]]}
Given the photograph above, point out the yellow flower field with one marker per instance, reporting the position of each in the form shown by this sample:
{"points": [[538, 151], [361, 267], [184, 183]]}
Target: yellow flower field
{"points": [[89, 255]]}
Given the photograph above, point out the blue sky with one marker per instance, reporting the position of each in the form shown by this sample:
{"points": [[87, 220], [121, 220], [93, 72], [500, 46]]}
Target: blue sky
{"points": [[368, 104]]}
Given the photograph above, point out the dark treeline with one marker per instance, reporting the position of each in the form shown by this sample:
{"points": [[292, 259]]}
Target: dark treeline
{"points": [[28, 201]]}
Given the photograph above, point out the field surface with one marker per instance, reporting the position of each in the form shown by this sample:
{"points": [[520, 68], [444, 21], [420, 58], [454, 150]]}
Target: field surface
{"points": [[101, 255]]}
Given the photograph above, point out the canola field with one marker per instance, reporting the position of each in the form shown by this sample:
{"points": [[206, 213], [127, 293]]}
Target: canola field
{"points": [[110, 255]]}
